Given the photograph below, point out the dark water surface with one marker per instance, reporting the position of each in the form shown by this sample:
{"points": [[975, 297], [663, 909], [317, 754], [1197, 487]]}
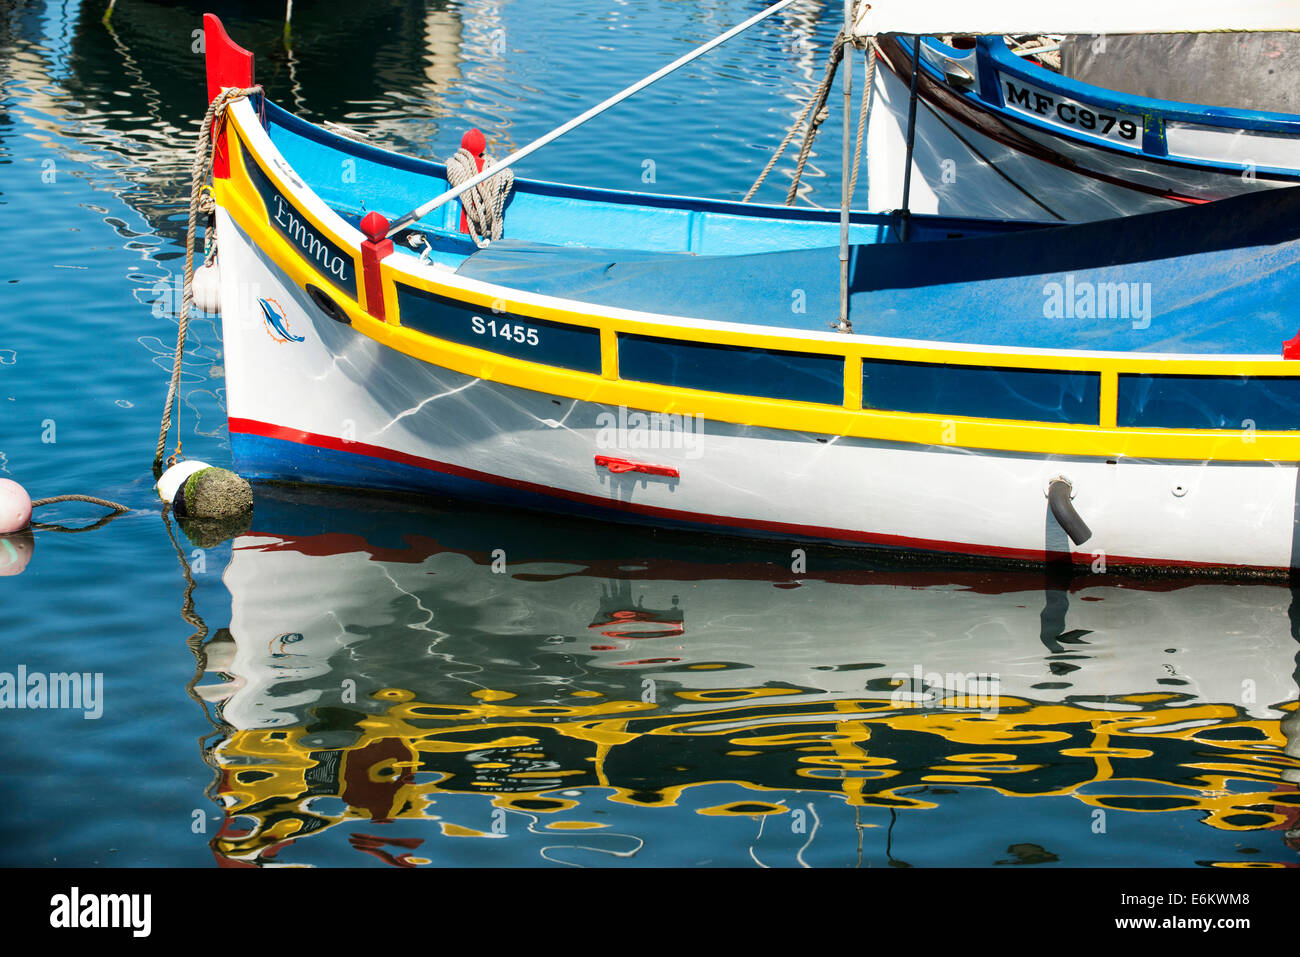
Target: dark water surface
{"points": [[378, 682]]}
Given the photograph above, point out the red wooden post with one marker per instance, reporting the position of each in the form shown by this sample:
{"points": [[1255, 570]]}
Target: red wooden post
{"points": [[374, 248], [476, 143], [228, 64]]}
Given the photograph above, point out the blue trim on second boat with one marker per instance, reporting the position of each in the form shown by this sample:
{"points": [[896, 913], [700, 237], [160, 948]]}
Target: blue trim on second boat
{"points": [[996, 49], [993, 55]]}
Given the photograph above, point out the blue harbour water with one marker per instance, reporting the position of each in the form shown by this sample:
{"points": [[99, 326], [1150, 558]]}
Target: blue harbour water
{"points": [[373, 682]]}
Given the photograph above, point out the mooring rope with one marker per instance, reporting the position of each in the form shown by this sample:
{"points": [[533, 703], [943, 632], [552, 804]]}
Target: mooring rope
{"points": [[816, 106], [818, 117], [80, 498], [200, 202], [794, 128], [485, 203], [116, 510]]}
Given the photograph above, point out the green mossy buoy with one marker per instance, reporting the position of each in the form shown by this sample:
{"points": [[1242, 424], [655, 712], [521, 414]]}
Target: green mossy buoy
{"points": [[214, 493]]}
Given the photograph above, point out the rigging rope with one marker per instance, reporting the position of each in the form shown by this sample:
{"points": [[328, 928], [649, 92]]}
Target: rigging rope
{"points": [[200, 202], [816, 106], [484, 204], [864, 110]]}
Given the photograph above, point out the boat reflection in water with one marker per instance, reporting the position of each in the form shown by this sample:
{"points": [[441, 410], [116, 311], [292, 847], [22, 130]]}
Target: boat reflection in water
{"points": [[463, 688]]}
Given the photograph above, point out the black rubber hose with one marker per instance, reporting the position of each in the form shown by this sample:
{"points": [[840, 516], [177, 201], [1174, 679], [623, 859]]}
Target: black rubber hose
{"points": [[1058, 499]]}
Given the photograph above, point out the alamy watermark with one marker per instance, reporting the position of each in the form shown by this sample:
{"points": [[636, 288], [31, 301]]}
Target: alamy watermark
{"points": [[1082, 299], [76, 909], [81, 691], [626, 430], [957, 691]]}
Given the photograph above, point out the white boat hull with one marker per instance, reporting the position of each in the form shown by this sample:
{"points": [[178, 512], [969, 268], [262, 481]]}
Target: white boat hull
{"points": [[339, 408], [957, 170]]}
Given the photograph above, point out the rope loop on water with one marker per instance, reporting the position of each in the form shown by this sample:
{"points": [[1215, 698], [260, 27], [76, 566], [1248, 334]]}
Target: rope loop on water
{"points": [[115, 508], [80, 498]]}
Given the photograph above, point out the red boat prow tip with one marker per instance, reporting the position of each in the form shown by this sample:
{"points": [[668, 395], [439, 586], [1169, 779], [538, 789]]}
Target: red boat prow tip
{"points": [[228, 64]]}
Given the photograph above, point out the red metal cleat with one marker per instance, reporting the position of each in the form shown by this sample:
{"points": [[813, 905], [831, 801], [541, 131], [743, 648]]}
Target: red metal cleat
{"points": [[619, 466]]}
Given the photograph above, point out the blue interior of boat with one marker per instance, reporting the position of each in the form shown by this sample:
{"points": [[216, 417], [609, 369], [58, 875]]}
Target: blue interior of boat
{"points": [[563, 215], [1219, 278]]}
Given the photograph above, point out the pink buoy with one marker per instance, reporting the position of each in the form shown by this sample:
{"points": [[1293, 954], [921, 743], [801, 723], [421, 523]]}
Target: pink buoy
{"points": [[15, 507]]}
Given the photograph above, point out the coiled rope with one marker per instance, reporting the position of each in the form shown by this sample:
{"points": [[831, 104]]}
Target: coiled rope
{"points": [[819, 113], [201, 202], [485, 203], [1045, 47]]}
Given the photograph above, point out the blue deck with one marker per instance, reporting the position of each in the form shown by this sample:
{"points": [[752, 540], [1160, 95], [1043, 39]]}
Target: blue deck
{"points": [[1218, 279]]}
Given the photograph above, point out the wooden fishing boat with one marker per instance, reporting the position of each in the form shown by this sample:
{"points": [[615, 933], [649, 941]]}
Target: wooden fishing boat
{"points": [[1115, 393], [995, 134]]}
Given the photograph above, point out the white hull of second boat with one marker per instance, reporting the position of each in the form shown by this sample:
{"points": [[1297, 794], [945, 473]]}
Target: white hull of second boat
{"points": [[959, 171], [315, 401]]}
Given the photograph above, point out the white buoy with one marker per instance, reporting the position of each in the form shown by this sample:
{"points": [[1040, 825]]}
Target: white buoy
{"points": [[15, 507], [171, 481], [207, 287]]}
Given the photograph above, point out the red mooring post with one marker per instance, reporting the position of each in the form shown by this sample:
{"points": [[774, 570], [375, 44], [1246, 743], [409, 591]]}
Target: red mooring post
{"points": [[373, 250], [476, 143]]}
